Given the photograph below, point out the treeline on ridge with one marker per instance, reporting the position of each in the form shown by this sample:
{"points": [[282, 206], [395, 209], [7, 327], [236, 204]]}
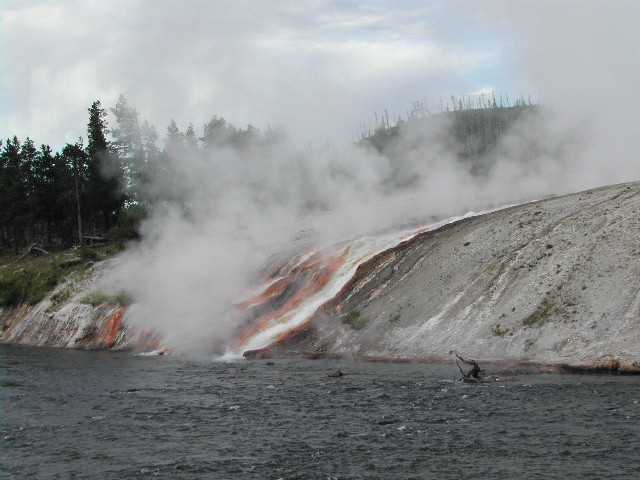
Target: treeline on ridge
{"points": [[98, 191], [85, 193], [469, 128]]}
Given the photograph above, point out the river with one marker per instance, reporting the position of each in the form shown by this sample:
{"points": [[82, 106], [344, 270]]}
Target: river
{"points": [[72, 414]]}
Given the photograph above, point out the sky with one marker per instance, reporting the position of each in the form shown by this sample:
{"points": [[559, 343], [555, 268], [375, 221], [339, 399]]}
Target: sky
{"points": [[321, 69]]}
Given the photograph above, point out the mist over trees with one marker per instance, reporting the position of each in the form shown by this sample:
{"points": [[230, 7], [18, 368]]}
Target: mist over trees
{"points": [[102, 189], [468, 128]]}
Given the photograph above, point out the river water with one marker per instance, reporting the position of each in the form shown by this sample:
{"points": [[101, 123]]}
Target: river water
{"points": [[70, 414]]}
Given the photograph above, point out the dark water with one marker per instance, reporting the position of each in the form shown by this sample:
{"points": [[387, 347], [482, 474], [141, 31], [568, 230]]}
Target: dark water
{"points": [[68, 414]]}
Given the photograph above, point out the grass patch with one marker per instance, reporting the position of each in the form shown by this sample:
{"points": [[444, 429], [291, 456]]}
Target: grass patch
{"points": [[87, 254], [500, 331], [61, 296], [540, 314], [29, 281], [123, 299], [95, 298], [70, 263], [354, 320]]}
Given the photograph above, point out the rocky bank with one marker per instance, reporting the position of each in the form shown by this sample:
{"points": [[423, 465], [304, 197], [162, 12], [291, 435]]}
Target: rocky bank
{"points": [[75, 314]]}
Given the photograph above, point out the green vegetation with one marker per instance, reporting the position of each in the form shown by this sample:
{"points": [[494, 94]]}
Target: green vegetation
{"points": [[87, 254], [354, 320], [59, 199], [470, 128], [30, 281], [91, 193], [61, 296], [95, 298], [126, 228], [540, 314], [123, 299], [98, 191], [500, 331]]}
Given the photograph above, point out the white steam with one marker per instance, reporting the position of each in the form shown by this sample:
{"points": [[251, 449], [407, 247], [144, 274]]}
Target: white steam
{"points": [[583, 60], [247, 205]]}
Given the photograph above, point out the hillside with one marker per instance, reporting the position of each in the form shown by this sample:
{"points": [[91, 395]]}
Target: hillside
{"points": [[549, 282], [57, 301], [553, 282]]}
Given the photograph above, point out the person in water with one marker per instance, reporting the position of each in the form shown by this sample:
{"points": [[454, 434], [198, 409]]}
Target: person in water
{"points": [[473, 373]]}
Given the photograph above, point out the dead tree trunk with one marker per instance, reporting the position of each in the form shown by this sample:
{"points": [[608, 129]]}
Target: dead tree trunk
{"points": [[35, 250]]}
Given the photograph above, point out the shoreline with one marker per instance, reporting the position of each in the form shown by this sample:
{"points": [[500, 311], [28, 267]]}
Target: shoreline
{"points": [[514, 367]]}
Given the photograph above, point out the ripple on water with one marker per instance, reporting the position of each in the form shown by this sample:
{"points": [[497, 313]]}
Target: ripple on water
{"points": [[170, 418]]}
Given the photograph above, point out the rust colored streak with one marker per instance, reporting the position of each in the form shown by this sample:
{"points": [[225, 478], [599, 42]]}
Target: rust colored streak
{"points": [[315, 283], [288, 273], [293, 332], [273, 290], [281, 285], [147, 341], [112, 327], [364, 268]]}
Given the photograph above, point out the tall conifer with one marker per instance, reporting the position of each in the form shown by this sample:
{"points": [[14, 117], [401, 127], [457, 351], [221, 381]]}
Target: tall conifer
{"points": [[103, 199]]}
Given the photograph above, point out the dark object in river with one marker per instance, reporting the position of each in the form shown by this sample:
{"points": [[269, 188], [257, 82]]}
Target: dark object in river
{"points": [[476, 380], [337, 373], [471, 375]]}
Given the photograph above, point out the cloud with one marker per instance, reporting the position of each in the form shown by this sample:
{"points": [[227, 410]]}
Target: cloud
{"points": [[319, 68]]}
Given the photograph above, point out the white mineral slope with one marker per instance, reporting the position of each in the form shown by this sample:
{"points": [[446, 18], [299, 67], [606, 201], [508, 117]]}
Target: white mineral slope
{"points": [[551, 282], [65, 319]]}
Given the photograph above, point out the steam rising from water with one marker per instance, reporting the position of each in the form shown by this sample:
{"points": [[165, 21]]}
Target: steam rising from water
{"points": [[248, 206]]}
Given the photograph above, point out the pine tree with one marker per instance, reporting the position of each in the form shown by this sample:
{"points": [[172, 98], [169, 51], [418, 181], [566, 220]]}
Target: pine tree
{"points": [[127, 135], [103, 200], [12, 194], [28, 159], [75, 156], [46, 191], [214, 133], [127, 144], [149, 142], [191, 140], [97, 144], [174, 141], [65, 210]]}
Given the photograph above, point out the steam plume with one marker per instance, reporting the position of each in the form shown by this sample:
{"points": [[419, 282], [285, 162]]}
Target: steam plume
{"points": [[247, 206]]}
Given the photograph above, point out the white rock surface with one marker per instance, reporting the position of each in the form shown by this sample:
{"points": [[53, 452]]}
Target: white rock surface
{"points": [[552, 282]]}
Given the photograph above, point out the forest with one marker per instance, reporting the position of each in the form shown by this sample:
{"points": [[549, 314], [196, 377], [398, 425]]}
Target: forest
{"points": [[94, 191]]}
